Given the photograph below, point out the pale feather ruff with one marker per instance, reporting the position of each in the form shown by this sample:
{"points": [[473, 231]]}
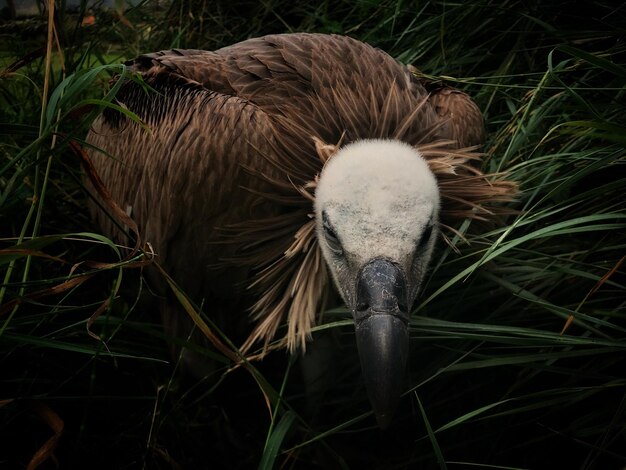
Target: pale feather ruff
{"points": [[376, 163], [379, 194], [464, 191]]}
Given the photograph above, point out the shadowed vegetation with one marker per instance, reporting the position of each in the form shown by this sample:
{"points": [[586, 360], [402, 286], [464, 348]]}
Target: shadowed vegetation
{"points": [[518, 339]]}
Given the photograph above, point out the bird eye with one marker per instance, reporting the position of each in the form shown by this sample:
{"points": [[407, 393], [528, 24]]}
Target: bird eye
{"points": [[428, 231], [331, 237], [333, 242]]}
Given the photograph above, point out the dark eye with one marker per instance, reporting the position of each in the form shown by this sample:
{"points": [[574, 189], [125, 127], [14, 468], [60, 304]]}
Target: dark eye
{"points": [[331, 237], [428, 231]]}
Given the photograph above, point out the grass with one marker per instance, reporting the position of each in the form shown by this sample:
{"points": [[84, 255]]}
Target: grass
{"points": [[519, 338]]}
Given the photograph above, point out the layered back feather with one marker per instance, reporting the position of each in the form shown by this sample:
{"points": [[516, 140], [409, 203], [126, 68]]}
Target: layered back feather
{"points": [[223, 185]]}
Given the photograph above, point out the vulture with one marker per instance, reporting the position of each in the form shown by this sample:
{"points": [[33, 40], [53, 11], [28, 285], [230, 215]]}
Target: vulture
{"points": [[273, 174]]}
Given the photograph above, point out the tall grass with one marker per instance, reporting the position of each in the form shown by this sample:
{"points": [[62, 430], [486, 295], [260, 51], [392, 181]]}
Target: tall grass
{"points": [[519, 338]]}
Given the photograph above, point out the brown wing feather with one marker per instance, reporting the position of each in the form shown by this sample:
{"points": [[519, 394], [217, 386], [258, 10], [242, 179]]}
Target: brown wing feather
{"points": [[225, 177], [462, 120], [180, 188], [173, 178]]}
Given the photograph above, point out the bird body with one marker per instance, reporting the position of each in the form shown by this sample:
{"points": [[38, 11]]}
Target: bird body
{"points": [[224, 183]]}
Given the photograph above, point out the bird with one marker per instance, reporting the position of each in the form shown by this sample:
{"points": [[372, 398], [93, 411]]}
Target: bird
{"points": [[274, 174]]}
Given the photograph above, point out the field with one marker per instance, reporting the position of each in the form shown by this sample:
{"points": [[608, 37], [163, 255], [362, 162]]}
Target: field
{"points": [[518, 350]]}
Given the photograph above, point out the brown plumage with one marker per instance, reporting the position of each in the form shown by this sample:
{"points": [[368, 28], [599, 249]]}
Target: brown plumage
{"points": [[460, 118], [223, 184]]}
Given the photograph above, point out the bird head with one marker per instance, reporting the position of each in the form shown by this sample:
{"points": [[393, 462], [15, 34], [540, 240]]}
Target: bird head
{"points": [[377, 209]]}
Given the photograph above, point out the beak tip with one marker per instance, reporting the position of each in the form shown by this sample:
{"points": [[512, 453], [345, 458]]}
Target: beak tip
{"points": [[384, 404], [384, 420], [382, 341]]}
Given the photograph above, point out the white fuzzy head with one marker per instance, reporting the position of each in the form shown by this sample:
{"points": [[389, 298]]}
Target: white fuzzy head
{"points": [[376, 199]]}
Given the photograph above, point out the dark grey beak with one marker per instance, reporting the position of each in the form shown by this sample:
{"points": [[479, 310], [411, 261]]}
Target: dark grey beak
{"points": [[381, 320]]}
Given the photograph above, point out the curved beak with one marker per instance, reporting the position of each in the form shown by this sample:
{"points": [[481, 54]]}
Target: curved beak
{"points": [[381, 323]]}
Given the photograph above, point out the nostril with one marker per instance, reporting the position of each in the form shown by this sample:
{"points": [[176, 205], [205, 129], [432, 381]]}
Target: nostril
{"points": [[381, 288]]}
